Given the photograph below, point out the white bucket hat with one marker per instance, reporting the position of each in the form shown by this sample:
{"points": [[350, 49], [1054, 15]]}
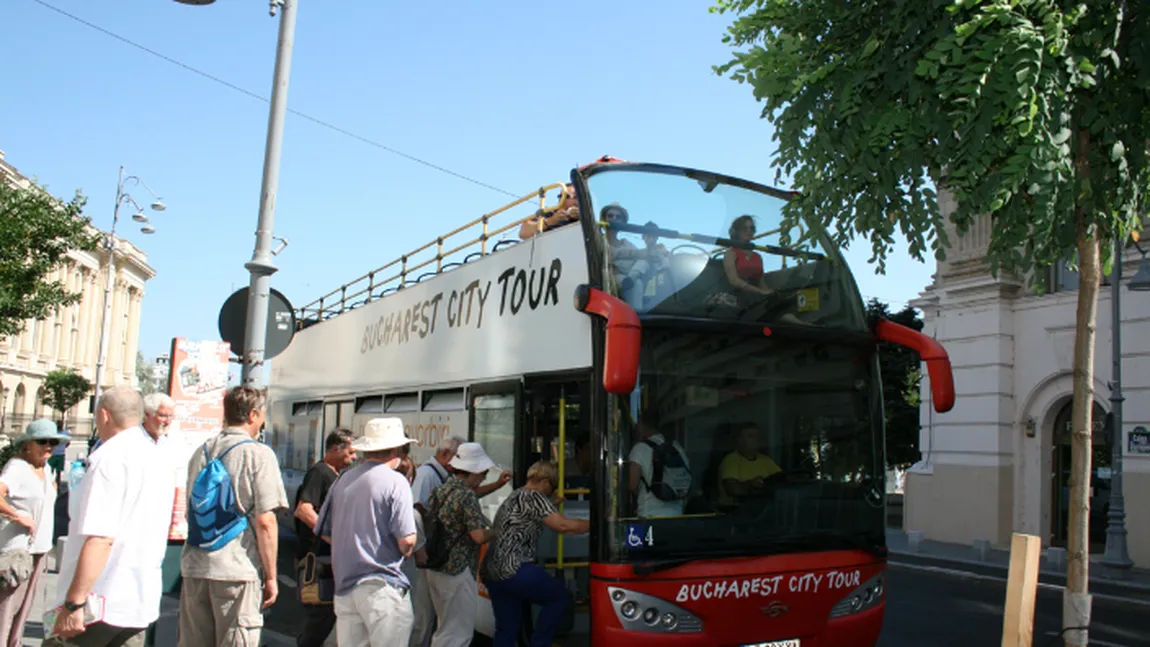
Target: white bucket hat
{"points": [[42, 429], [470, 457], [380, 434]]}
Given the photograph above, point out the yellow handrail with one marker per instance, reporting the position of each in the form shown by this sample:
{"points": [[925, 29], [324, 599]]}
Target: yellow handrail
{"points": [[337, 301], [562, 472]]}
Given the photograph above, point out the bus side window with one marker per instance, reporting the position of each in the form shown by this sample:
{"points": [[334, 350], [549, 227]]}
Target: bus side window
{"points": [[493, 426]]}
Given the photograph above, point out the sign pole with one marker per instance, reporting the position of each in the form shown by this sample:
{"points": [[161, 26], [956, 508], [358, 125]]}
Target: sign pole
{"points": [[261, 266]]}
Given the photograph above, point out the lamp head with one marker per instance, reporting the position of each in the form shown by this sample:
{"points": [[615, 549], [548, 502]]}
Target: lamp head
{"points": [[139, 217], [196, 2], [158, 205], [1140, 282], [148, 229]]}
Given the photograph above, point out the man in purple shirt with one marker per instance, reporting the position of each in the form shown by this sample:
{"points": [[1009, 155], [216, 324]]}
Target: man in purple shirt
{"points": [[369, 520]]}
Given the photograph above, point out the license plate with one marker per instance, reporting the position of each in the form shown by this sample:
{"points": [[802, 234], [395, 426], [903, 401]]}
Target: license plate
{"points": [[790, 642]]}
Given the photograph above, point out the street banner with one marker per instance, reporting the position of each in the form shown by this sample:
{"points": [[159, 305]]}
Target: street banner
{"points": [[197, 380]]}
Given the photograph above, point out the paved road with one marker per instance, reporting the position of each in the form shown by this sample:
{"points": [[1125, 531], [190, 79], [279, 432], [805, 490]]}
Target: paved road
{"points": [[923, 608], [941, 610]]}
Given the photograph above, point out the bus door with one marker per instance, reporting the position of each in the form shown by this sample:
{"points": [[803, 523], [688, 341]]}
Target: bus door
{"points": [[557, 429]]}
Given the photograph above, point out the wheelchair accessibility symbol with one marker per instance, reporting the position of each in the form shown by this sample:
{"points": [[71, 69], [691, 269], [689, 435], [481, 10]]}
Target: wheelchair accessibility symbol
{"points": [[639, 536]]}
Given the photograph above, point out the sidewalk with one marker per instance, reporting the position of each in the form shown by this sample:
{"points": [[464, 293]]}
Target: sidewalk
{"points": [[165, 626], [990, 560]]}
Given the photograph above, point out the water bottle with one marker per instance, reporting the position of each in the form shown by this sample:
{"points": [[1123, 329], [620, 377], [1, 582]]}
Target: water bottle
{"points": [[75, 475]]}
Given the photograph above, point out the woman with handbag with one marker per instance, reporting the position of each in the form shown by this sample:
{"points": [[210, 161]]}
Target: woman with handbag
{"points": [[27, 509]]}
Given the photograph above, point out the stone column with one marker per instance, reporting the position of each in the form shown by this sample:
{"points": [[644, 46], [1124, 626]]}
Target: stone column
{"points": [[133, 323]]}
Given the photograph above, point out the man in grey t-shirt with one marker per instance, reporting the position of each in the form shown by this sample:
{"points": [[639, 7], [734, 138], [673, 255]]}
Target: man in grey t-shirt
{"points": [[369, 519], [225, 590]]}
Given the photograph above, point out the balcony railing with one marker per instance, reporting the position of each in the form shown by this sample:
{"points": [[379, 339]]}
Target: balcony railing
{"points": [[421, 264]]}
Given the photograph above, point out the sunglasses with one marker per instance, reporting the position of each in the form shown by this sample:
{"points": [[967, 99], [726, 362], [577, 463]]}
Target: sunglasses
{"points": [[50, 443]]}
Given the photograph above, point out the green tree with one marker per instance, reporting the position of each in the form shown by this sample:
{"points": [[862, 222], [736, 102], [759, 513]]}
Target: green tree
{"points": [[36, 233], [64, 389], [899, 368], [1032, 112], [144, 375]]}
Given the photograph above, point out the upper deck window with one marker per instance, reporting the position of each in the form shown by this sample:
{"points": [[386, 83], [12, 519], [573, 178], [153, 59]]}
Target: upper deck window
{"points": [[688, 243]]}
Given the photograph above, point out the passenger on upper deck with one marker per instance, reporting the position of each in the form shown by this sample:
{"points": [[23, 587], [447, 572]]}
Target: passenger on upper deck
{"points": [[567, 212], [626, 259], [744, 267]]}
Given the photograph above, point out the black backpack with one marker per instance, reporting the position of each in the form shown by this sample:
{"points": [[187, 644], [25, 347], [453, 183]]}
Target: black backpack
{"points": [[670, 476], [435, 536]]}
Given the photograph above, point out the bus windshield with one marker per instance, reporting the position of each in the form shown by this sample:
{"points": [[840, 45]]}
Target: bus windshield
{"points": [[690, 243], [777, 447]]}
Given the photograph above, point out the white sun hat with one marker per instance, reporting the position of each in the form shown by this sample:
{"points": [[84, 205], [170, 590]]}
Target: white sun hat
{"points": [[380, 434], [470, 457]]}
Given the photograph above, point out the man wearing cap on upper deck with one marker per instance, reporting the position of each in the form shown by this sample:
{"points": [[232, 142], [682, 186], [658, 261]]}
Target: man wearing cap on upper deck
{"points": [[369, 519]]}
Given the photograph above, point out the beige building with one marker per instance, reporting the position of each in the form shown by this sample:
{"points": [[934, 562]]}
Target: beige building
{"points": [[999, 461], [70, 337]]}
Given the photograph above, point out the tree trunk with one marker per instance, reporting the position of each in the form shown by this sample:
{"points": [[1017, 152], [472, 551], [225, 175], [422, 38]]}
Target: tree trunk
{"points": [[1076, 600]]}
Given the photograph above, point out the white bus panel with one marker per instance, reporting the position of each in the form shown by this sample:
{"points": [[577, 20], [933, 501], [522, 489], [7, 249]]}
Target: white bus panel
{"points": [[507, 314]]}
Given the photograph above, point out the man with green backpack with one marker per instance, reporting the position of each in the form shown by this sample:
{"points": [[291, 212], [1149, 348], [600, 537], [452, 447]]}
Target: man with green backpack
{"points": [[229, 559]]}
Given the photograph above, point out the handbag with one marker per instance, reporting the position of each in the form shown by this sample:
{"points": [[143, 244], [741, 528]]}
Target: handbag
{"points": [[15, 567], [315, 579], [17, 564]]}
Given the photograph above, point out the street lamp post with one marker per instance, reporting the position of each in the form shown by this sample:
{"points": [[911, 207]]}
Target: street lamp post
{"points": [[122, 197], [261, 267], [1116, 555]]}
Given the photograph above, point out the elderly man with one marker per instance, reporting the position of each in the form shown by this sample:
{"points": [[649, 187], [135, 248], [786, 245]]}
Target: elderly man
{"points": [[428, 477], [118, 532], [369, 520], [159, 409]]}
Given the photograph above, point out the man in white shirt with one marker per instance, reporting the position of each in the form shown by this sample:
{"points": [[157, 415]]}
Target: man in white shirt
{"points": [[118, 533], [642, 472]]}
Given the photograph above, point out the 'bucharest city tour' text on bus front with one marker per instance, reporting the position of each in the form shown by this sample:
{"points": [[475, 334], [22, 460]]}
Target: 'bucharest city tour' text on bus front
{"points": [[665, 306]]}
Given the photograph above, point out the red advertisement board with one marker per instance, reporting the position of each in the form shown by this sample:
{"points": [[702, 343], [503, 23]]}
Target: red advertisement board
{"points": [[197, 380]]}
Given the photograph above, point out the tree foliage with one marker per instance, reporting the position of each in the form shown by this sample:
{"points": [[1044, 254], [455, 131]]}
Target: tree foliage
{"points": [[64, 389], [1035, 113], [1032, 111], [36, 233], [147, 384], [899, 369]]}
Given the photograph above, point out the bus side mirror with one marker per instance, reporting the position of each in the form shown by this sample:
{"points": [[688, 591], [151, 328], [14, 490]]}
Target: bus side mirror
{"points": [[621, 351], [931, 352]]}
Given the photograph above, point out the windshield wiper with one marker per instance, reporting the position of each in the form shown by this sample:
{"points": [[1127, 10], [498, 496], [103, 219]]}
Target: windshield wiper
{"points": [[828, 539], [647, 568]]}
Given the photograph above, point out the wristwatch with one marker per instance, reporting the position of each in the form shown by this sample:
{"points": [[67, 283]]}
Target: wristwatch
{"points": [[71, 607]]}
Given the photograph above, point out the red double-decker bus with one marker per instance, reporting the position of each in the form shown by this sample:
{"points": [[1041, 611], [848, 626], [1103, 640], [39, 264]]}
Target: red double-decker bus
{"points": [[668, 313]]}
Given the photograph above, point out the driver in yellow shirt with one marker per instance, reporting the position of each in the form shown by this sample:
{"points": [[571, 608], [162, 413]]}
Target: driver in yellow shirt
{"points": [[745, 471]]}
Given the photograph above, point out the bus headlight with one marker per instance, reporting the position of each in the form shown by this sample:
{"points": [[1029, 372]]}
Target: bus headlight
{"points": [[649, 614], [867, 595]]}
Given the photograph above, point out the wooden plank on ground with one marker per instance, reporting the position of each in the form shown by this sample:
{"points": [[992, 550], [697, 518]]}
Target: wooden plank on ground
{"points": [[1021, 590]]}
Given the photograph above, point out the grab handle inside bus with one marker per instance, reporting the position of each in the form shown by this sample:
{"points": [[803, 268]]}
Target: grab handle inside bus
{"points": [[931, 352], [621, 351]]}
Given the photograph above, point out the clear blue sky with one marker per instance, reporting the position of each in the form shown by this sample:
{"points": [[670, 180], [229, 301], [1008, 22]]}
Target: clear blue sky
{"points": [[512, 93]]}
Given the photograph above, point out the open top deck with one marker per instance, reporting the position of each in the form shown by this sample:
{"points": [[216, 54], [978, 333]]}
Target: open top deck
{"points": [[464, 244]]}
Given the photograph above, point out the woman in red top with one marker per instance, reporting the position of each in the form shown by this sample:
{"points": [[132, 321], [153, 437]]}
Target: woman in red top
{"points": [[744, 267]]}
